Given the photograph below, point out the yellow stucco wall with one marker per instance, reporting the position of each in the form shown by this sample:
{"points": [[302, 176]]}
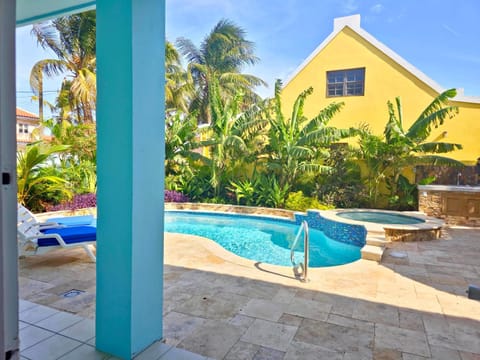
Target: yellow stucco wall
{"points": [[384, 80]]}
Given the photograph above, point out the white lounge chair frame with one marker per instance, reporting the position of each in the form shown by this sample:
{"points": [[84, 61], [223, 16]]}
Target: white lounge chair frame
{"points": [[28, 233]]}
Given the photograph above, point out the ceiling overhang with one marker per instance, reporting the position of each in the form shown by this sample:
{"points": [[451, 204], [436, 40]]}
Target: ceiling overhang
{"points": [[32, 11]]}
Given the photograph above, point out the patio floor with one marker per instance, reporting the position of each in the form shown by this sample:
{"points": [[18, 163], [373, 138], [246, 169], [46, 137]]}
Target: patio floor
{"points": [[224, 307]]}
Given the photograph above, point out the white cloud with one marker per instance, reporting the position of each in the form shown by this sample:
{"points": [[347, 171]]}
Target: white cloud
{"points": [[349, 6], [450, 30], [377, 8]]}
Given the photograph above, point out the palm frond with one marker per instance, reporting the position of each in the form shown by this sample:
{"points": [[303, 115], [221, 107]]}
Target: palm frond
{"points": [[314, 168], [326, 136], [189, 50], [47, 38], [435, 160], [393, 129], [242, 79], [322, 118], [297, 113], [301, 151], [438, 147], [434, 115]]}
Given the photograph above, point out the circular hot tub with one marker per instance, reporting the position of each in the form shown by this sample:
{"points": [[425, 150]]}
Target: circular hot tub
{"points": [[394, 225], [380, 217]]}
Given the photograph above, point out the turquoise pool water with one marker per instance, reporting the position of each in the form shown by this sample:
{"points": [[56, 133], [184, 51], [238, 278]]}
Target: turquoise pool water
{"points": [[379, 217], [260, 239]]}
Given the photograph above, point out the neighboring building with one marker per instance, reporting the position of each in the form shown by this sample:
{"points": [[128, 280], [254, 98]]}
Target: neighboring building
{"points": [[351, 66], [26, 123]]}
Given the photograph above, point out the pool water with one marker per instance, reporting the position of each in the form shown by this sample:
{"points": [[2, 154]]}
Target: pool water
{"points": [[261, 239], [379, 217]]}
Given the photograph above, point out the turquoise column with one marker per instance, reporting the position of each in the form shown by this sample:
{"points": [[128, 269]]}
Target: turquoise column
{"points": [[130, 165]]}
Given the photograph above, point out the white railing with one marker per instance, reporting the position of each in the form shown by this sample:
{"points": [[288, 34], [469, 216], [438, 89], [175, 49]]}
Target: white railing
{"points": [[304, 266]]}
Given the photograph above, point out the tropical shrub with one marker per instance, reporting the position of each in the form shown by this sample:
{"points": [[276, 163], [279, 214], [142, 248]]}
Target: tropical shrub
{"points": [[198, 188], [340, 187], [406, 197], [244, 191], [270, 193], [38, 178], [299, 202], [388, 156]]}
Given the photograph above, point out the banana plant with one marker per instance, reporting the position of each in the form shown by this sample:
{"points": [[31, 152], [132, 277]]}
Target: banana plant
{"points": [[299, 144], [388, 156]]}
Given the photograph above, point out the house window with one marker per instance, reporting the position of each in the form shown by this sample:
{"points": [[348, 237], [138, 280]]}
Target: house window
{"points": [[346, 82], [22, 128]]}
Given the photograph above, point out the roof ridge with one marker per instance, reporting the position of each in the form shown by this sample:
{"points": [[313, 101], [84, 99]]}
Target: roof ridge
{"points": [[353, 23], [22, 112]]}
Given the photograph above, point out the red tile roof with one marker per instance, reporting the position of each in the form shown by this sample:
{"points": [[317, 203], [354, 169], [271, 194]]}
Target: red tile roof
{"points": [[26, 114]]}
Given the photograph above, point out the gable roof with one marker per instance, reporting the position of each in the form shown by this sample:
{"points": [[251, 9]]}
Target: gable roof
{"points": [[353, 22], [26, 114]]}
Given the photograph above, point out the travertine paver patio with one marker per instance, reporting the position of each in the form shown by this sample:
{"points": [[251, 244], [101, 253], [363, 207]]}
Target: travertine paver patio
{"points": [[225, 307]]}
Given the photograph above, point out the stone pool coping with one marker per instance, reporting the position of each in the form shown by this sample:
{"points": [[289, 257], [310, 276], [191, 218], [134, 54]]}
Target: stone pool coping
{"points": [[430, 223], [377, 235]]}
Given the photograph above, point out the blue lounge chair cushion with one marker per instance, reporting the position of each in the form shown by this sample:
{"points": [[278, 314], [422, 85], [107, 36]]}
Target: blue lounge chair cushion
{"points": [[71, 235], [73, 220]]}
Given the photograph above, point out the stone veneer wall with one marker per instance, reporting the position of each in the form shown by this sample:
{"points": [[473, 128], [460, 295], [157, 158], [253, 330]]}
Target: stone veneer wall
{"points": [[456, 206], [412, 235], [230, 208]]}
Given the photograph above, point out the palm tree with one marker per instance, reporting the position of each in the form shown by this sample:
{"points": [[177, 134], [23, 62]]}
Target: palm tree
{"points": [[232, 132], [181, 144], [388, 156], [221, 56], [179, 86], [298, 144], [72, 39]]}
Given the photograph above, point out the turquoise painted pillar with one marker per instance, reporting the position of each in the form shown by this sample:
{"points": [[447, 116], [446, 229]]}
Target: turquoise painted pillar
{"points": [[130, 156]]}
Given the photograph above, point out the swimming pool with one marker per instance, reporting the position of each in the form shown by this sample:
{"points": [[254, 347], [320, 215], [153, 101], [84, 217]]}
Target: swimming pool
{"points": [[380, 217], [260, 239]]}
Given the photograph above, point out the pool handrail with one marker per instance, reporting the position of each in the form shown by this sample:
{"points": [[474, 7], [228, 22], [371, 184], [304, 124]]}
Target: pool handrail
{"points": [[304, 266]]}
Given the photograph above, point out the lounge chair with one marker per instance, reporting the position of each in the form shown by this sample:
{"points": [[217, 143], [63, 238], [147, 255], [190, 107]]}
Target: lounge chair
{"points": [[35, 237], [25, 216]]}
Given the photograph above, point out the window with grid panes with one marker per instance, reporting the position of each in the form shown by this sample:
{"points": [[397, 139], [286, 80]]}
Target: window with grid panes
{"points": [[22, 128], [346, 82]]}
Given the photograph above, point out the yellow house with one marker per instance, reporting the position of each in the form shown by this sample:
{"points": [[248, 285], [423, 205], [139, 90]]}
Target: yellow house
{"points": [[353, 67]]}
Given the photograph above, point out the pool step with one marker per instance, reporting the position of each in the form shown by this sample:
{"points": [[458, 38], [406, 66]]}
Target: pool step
{"points": [[376, 240], [372, 252]]}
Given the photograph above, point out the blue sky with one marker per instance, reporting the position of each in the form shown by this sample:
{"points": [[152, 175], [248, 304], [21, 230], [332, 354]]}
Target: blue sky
{"points": [[439, 38]]}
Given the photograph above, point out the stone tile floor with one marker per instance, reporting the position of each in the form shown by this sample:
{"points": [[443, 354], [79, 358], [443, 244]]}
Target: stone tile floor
{"points": [[220, 306], [46, 333]]}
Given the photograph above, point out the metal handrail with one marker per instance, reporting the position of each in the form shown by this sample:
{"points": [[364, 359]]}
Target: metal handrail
{"points": [[304, 266]]}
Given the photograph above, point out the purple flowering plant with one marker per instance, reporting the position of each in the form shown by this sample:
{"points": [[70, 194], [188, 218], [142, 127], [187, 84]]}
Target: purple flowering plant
{"points": [[79, 201], [82, 201], [175, 196]]}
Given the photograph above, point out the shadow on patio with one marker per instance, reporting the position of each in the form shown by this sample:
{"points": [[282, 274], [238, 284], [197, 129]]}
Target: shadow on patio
{"points": [[226, 310]]}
